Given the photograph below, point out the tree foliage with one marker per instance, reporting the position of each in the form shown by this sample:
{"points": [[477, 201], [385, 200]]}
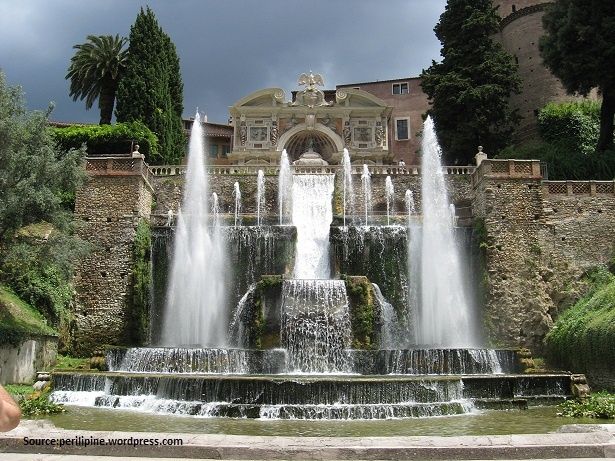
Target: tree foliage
{"points": [[37, 247], [469, 90], [34, 173], [579, 48], [95, 71], [152, 89]]}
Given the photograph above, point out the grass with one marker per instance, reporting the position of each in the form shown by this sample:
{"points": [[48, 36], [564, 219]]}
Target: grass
{"points": [[65, 362], [19, 320], [19, 391]]}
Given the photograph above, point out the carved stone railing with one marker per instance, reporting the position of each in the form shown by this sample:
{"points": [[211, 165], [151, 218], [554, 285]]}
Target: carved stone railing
{"points": [[508, 169], [578, 187], [118, 166], [393, 170]]}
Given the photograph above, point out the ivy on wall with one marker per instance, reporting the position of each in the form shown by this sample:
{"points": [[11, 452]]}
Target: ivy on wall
{"points": [[138, 329]]}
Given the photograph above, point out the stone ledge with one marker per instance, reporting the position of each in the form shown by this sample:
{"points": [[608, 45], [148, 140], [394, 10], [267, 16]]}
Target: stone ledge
{"points": [[599, 444]]}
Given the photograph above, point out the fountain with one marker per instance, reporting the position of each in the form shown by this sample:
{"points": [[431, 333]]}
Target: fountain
{"points": [[366, 183], [445, 314], [328, 321], [312, 215], [196, 296], [237, 196], [284, 188], [390, 196], [348, 191], [260, 196]]}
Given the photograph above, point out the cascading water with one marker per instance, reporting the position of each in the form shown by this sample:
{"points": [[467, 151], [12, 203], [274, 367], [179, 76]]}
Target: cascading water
{"points": [[237, 196], [389, 190], [312, 215], [348, 191], [366, 183], [445, 313], [195, 311], [316, 325], [285, 179], [260, 196]]}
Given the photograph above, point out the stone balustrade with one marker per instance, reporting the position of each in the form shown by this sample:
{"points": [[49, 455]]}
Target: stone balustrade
{"points": [[118, 166], [579, 187], [393, 170]]}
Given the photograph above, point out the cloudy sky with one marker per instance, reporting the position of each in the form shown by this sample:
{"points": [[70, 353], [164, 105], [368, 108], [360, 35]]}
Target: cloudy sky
{"points": [[227, 48]]}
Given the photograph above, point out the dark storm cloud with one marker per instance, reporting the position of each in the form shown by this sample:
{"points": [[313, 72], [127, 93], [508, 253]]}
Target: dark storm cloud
{"points": [[227, 48]]}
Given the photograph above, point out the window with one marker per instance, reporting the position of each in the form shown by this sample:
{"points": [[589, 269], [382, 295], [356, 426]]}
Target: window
{"points": [[226, 149], [400, 88], [213, 150], [514, 8], [402, 129]]}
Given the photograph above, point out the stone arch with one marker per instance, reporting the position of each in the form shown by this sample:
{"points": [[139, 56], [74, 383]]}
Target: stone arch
{"points": [[294, 141]]}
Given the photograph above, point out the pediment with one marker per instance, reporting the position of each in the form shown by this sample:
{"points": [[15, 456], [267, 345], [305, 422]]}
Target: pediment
{"points": [[358, 98], [267, 97]]}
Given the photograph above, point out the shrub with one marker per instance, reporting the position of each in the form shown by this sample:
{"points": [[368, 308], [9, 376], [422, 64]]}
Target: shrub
{"points": [[598, 405], [101, 139], [38, 404]]}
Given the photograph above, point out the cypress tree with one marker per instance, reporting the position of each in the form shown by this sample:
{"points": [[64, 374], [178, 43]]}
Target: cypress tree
{"points": [[152, 88], [469, 90]]}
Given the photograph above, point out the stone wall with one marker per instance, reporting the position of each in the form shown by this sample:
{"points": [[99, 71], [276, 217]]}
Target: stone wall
{"points": [[18, 365], [537, 244], [538, 239], [110, 205], [169, 190]]}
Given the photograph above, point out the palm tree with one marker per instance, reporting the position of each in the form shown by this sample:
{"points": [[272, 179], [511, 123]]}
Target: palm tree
{"points": [[95, 71]]}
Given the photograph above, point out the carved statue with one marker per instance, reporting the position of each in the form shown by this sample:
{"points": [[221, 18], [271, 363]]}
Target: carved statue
{"points": [[243, 133], [311, 80], [273, 133], [347, 134], [379, 134], [310, 96]]}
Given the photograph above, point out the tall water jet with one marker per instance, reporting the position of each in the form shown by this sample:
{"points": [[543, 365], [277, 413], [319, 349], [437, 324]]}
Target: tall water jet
{"points": [[215, 211], [410, 205], [389, 191], [237, 195], [414, 269], [195, 312], [312, 215], [260, 196], [348, 191], [366, 182], [284, 188], [445, 313]]}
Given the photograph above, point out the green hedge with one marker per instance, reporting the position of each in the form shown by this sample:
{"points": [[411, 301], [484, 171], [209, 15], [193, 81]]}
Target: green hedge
{"points": [[109, 139], [583, 337], [575, 125], [568, 137]]}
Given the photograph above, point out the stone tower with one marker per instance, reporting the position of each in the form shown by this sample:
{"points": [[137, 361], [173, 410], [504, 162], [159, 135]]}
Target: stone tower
{"points": [[520, 32]]}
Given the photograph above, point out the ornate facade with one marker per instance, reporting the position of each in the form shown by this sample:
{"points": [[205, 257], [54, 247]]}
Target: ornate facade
{"points": [[325, 122]]}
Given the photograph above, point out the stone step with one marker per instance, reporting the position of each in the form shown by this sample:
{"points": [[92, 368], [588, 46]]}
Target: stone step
{"points": [[314, 389]]}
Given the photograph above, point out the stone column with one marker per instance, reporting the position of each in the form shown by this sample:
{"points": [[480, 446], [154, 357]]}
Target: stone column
{"points": [[116, 196]]}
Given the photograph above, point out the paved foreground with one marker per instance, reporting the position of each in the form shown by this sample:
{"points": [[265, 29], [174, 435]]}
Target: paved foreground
{"points": [[40, 440]]}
